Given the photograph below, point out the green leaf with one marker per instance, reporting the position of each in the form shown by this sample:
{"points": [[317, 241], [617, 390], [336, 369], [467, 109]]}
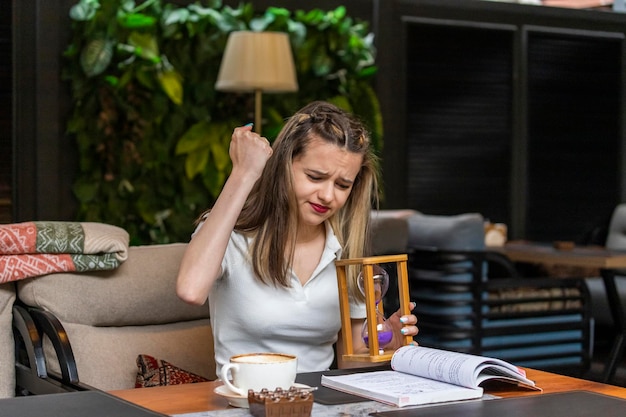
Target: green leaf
{"points": [[96, 57], [314, 17], [86, 191], [220, 155], [145, 78], [112, 80], [340, 12], [84, 10], [193, 139], [342, 102], [322, 63], [145, 45], [368, 72], [127, 6], [136, 21], [365, 103], [261, 23], [278, 11], [196, 162], [176, 16], [213, 180], [204, 11], [171, 82], [298, 32]]}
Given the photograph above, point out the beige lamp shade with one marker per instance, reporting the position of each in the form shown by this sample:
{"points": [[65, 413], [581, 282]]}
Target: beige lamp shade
{"points": [[257, 61]]}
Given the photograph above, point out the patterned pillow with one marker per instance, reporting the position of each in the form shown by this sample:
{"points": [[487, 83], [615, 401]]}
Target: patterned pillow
{"points": [[152, 372]]}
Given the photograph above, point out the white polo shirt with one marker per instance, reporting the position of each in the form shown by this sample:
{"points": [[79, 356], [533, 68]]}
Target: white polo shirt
{"points": [[303, 320]]}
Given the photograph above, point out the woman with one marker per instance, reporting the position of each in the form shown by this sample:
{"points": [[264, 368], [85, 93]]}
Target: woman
{"points": [[264, 254]]}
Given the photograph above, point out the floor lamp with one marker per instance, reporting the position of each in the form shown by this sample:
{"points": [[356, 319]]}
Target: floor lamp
{"points": [[257, 62]]}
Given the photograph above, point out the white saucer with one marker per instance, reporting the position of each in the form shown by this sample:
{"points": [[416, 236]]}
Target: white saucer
{"points": [[237, 400]]}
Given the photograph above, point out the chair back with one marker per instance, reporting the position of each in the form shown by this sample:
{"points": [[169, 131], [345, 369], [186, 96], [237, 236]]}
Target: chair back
{"points": [[542, 323], [536, 322], [616, 237]]}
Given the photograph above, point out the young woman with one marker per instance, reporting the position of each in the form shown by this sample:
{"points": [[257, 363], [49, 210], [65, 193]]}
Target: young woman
{"points": [[264, 254]]}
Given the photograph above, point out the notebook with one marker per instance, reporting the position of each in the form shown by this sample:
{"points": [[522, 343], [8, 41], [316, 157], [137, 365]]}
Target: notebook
{"points": [[566, 404], [73, 404]]}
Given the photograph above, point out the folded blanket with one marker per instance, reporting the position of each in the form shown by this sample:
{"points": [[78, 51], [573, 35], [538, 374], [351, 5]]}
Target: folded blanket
{"points": [[38, 248]]}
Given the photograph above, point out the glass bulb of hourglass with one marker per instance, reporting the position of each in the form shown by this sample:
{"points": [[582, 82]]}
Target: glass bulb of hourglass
{"points": [[381, 283], [383, 329]]}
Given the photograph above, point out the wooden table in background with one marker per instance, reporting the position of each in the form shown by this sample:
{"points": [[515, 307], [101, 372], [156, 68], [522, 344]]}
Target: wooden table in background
{"points": [[194, 398], [607, 261], [581, 256]]}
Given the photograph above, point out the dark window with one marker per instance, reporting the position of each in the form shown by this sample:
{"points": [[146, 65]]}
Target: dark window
{"points": [[458, 100]]}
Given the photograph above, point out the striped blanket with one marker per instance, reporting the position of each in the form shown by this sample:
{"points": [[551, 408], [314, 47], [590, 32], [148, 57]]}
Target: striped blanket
{"points": [[31, 249]]}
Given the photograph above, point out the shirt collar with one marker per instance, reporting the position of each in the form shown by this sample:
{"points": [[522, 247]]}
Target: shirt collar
{"points": [[332, 243]]}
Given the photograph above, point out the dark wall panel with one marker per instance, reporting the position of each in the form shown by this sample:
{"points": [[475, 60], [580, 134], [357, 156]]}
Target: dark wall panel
{"points": [[458, 118], [574, 133], [6, 112]]}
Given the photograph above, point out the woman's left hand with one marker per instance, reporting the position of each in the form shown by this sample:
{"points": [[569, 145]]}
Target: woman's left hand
{"points": [[399, 324], [403, 326]]}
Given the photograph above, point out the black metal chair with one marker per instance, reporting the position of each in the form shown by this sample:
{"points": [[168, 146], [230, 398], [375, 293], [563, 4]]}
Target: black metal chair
{"points": [[30, 327], [543, 323]]}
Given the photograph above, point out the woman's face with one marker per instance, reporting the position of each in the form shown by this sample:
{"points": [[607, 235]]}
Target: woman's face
{"points": [[323, 178]]}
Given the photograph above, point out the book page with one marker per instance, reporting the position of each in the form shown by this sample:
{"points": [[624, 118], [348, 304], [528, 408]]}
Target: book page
{"points": [[399, 388], [490, 370], [452, 367]]}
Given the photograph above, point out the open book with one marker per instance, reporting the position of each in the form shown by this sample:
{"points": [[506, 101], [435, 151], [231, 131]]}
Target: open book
{"points": [[424, 375]]}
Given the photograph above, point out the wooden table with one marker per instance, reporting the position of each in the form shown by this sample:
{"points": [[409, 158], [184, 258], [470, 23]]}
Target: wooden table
{"points": [[546, 254], [194, 398], [607, 261]]}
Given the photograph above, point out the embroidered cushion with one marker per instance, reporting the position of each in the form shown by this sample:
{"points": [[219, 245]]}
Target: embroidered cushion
{"points": [[153, 372]]}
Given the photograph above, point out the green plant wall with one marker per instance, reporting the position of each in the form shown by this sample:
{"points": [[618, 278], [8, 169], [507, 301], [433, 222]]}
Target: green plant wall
{"points": [[151, 130]]}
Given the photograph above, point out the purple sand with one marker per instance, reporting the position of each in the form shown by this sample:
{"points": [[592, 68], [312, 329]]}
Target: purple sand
{"points": [[383, 338]]}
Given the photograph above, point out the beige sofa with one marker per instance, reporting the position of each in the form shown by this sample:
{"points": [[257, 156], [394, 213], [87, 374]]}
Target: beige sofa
{"points": [[7, 365], [113, 316]]}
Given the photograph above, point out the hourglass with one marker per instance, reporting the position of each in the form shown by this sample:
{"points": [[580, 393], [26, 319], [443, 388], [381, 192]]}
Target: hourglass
{"points": [[373, 293], [384, 331]]}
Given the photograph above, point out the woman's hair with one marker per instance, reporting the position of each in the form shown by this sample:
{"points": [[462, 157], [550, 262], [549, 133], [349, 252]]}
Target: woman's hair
{"points": [[270, 212]]}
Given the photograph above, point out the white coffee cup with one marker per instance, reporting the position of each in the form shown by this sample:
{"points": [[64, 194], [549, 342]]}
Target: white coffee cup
{"points": [[259, 370]]}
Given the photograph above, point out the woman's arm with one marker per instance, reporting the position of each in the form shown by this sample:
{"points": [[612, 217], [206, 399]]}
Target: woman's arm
{"points": [[201, 263]]}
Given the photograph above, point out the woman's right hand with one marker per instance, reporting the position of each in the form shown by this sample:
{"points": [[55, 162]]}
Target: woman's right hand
{"points": [[249, 151]]}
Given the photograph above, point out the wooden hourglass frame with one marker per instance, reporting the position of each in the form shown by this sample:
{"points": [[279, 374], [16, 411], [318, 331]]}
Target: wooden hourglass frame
{"points": [[367, 264]]}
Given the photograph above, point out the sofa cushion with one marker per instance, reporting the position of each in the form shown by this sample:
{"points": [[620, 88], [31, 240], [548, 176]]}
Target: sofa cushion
{"points": [[7, 364], [456, 232], [153, 372], [390, 231], [142, 291]]}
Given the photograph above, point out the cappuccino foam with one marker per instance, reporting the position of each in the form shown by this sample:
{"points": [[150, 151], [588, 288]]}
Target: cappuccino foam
{"points": [[262, 358]]}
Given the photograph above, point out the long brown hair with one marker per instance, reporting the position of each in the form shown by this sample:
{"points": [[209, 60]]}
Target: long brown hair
{"points": [[270, 211]]}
